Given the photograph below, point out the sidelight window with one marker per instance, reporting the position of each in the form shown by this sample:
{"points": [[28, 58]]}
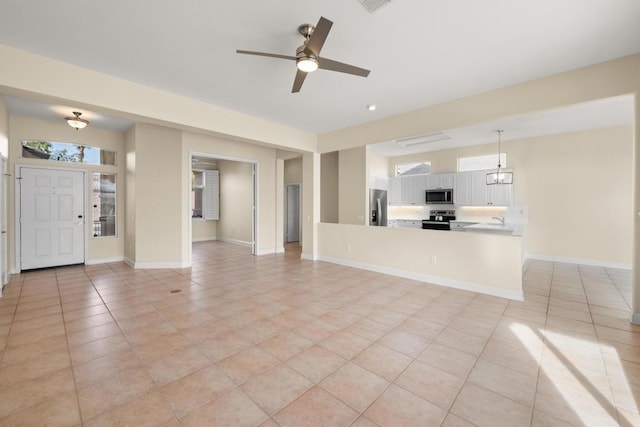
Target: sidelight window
{"points": [[104, 204]]}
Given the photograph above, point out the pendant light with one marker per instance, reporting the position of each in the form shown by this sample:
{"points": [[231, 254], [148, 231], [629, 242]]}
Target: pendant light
{"points": [[76, 122], [499, 176]]}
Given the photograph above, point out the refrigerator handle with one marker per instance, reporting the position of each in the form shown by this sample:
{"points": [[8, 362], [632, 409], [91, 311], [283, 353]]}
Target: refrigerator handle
{"points": [[379, 208]]}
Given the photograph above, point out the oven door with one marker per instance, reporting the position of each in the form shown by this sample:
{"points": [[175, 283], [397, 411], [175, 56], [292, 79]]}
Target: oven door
{"points": [[435, 225]]}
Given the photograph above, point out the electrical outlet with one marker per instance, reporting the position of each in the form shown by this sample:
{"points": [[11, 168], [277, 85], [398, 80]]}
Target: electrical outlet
{"points": [[434, 260], [349, 248]]}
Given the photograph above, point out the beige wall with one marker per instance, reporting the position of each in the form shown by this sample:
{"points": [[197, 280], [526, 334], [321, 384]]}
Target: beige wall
{"points": [[310, 217], [577, 186], [159, 227], [329, 180], [100, 92], [377, 164], [352, 190], [279, 225], [236, 201], [130, 194], [21, 128], [265, 158], [202, 230], [4, 129], [293, 171]]}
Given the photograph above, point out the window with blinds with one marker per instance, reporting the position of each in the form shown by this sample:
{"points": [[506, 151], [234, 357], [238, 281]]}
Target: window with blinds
{"points": [[211, 196]]}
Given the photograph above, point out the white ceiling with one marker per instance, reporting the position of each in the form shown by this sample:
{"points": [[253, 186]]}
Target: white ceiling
{"points": [[420, 52], [58, 111], [599, 114]]}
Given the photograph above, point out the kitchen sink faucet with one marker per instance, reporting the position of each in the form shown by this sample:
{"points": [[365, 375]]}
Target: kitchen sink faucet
{"points": [[499, 218]]}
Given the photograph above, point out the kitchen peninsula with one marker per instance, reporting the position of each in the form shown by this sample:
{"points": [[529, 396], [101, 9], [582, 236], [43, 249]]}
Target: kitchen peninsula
{"points": [[489, 263]]}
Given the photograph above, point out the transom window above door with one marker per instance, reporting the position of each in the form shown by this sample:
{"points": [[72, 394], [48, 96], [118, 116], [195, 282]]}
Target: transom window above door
{"points": [[66, 152]]}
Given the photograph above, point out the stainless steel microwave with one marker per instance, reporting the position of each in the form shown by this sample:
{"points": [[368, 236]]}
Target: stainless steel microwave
{"points": [[439, 197]]}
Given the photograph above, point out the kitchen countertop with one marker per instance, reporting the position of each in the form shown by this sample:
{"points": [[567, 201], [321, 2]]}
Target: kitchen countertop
{"points": [[496, 228]]}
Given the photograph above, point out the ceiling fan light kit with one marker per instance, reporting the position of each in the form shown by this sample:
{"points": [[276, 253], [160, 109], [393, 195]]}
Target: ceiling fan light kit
{"points": [[308, 64], [76, 122], [308, 57]]}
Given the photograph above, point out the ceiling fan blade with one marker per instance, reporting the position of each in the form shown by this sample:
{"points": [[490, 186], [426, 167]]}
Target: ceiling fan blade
{"points": [[328, 64], [270, 55], [297, 83], [319, 35]]}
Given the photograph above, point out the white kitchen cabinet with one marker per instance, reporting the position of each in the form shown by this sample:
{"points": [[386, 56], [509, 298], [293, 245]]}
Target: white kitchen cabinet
{"points": [[394, 195], [379, 182], [492, 195], [479, 189], [441, 180], [463, 193], [406, 223], [447, 180], [408, 190], [501, 194], [420, 186]]}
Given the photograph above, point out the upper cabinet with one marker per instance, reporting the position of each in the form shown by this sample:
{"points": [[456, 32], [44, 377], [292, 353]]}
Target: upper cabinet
{"points": [[379, 182], [441, 180], [463, 193], [413, 188], [407, 190], [491, 195], [469, 189], [394, 196]]}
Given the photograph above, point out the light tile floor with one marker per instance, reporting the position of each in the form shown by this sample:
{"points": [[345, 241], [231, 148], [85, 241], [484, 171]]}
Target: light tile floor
{"points": [[275, 340]]}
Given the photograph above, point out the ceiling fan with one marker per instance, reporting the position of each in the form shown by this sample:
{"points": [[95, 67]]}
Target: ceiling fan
{"points": [[308, 54]]}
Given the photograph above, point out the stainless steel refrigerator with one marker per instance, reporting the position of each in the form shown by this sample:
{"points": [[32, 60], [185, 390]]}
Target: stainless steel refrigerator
{"points": [[378, 208]]}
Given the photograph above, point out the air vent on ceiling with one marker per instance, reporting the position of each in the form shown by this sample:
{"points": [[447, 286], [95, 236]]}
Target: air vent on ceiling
{"points": [[422, 139], [373, 5]]}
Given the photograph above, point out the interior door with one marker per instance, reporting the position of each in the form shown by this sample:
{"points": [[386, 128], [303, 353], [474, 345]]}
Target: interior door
{"points": [[51, 217], [293, 213]]}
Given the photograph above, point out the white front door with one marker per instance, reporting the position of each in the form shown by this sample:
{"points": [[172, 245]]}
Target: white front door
{"points": [[293, 213], [51, 217]]}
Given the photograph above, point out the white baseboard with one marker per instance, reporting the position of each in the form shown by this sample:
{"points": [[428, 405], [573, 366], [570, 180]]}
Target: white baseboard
{"points": [[203, 239], [280, 250], [156, 265], [103, 260], [635, 318], [436, 280], [581, 261], [261, 252], [310, 257], [234, 241]]}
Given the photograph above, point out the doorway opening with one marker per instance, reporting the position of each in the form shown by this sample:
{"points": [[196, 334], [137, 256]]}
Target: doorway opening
{"points": [[292, 213], [223, 200]]}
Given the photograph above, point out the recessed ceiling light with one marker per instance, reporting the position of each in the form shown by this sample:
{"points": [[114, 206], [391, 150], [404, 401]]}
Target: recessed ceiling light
{"points": [[371, 107]]}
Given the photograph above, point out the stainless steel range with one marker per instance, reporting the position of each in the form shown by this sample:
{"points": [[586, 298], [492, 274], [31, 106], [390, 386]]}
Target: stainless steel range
{"points": [[439, 220]]}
